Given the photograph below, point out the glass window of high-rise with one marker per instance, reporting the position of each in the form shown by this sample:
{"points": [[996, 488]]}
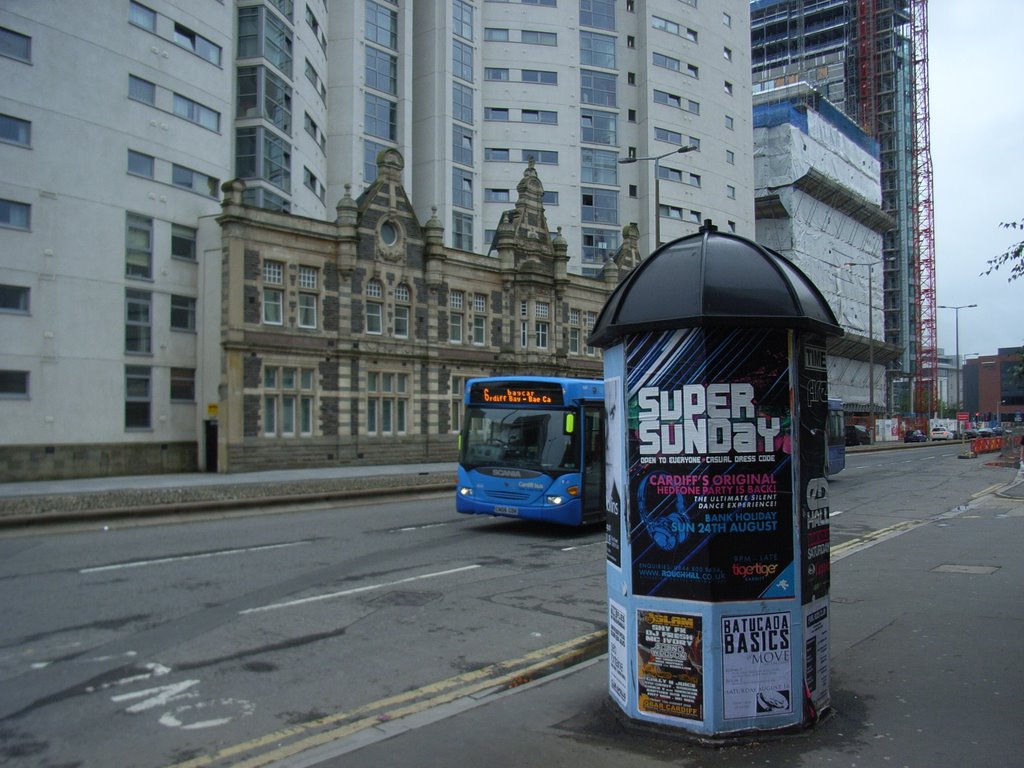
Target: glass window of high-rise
{"points": [[262, 154], [381, 117], [462, 231], [262, 33], [597, 88], [600, 206], [381, 25], [462, 188], [462, 19], [599, 166], [462, 103], [598, 127], [462, 60], [462, 145], [261, 93], [597, 50], [597, 13], [381, 71]]}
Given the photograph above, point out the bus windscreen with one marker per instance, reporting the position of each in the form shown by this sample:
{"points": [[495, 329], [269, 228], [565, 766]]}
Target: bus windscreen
{"points": [[542, 439]]}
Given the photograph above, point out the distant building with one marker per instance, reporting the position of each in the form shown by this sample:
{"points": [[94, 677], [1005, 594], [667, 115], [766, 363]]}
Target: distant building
{"points": [[949, 383], [994, 386]]}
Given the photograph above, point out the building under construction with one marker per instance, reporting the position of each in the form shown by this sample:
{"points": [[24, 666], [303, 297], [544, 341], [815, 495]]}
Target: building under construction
{"points": [[869, 58]]}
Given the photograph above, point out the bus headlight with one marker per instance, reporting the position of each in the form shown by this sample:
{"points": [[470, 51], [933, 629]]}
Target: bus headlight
{"points": [[559, 499], [465, 491]]}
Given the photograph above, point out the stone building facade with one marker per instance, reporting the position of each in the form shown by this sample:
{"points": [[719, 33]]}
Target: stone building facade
{"points": [[350, 341]]}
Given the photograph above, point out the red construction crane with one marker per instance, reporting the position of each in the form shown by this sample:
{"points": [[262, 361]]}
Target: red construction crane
{"points": [[867, 79], [926, 376]]}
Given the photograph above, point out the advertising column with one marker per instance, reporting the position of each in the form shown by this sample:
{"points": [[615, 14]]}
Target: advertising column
{"points": [[717, 498], [707, 628]]}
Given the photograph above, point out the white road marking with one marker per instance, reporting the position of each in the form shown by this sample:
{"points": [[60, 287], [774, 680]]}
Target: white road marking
{"points": [[182, 558], [170, 721], [101, 659], [356, 590], [157, 697], [424, 527], [155, 670], [174, 719], [583, 546]]}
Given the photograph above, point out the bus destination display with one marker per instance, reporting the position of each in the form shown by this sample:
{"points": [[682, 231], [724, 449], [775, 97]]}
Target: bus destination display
{"points": [[515, 393]]}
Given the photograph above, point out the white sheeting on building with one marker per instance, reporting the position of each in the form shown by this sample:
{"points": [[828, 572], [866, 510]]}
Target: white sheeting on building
{"points": [[821, 236]]}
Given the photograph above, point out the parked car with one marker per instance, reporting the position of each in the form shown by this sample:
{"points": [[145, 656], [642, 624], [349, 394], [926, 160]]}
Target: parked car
{"points": [[915, 436], [941, 433], [857, 435], [970, 433], [986, 432]]}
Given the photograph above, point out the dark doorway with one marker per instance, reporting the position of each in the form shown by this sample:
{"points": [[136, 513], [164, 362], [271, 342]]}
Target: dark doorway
{"points": [[211, 444]]}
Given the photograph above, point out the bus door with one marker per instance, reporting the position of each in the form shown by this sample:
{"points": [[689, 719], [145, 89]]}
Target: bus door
{"points": [[593, 462]]}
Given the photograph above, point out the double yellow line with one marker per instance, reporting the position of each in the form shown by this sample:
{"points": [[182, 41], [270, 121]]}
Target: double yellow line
{"points": [[288, 742], [847, 548]]}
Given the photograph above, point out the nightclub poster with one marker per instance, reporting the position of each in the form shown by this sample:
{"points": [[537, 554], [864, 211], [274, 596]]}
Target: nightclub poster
{"points": [[613, 469], [710, 509], [757, 665], [814, 502], [670, 665], [618, 660], [816, 653]]}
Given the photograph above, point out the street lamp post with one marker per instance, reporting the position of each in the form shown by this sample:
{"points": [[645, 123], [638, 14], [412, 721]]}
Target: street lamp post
{"points": [[959, 381], [871, 342], [657, 184]]}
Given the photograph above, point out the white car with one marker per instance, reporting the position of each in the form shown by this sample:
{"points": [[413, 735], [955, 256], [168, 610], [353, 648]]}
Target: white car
{"points": [[941, 433]]}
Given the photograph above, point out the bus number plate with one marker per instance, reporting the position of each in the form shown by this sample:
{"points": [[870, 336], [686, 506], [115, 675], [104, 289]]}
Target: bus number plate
{"points": [[506, 510]]}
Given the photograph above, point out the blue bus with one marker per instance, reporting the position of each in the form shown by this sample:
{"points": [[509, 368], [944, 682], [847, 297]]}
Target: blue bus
{"points": [[836, 437], [532, 447]]}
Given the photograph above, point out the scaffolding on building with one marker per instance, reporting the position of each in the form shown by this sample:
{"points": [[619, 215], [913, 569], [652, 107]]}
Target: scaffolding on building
{"points": [[870, 59]]}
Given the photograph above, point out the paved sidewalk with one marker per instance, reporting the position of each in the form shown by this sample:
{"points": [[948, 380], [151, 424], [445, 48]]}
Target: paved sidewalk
{"points": [[37, 502], [199, 479]]}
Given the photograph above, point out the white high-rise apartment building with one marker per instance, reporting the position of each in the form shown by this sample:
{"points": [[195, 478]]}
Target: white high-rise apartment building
{"points": [[119, 121]]}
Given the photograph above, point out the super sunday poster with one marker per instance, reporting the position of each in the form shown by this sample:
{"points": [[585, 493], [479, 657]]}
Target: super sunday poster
{"points": [[710, 464]]}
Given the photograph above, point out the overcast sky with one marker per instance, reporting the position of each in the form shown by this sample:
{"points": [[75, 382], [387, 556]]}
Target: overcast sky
{"points": [[976, 62]]}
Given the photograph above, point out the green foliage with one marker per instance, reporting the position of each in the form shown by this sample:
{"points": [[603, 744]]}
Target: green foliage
{"points": [[1012, 257]]}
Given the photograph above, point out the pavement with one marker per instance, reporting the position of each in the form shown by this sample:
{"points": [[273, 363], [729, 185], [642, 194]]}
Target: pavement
{"points": [[925, 647], [85, 499]]}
